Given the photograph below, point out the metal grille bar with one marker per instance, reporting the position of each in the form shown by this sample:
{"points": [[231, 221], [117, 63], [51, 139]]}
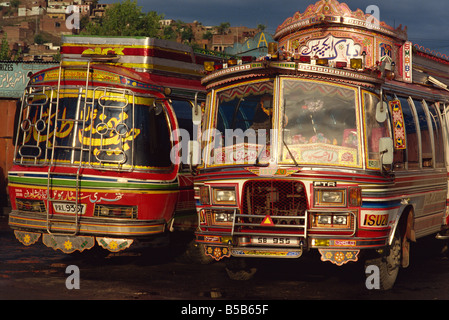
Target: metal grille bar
{"points": [[282, 202]]}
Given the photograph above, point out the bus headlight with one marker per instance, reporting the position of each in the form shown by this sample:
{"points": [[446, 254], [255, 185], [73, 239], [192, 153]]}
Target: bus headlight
{"points": [[223, 217], [329, 220], [224, 196], [340, 219], [330, 197]]}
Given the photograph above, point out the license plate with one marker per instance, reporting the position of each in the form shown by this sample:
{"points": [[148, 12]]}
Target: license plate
{"points": [[275, 241], [63, 207]]}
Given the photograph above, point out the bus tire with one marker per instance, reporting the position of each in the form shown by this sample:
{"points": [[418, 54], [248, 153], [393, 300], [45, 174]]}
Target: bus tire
{"points": [[388, 264]]}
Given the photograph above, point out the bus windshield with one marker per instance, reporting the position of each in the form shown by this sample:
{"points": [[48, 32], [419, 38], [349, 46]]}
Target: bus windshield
{"points": [[106, 133], [319, 124], [244, 116]]}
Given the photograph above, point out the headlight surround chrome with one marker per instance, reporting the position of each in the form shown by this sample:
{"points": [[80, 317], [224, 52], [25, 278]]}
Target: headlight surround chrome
{"points": [[330, 197], [224, 196]]}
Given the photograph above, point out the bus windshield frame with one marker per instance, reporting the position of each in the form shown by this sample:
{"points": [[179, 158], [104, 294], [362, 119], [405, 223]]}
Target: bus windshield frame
{"points": [[294, 121], [103, 132]]}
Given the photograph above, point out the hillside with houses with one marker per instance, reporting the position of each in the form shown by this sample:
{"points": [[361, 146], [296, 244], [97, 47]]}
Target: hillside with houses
{"points": [[31, 29]]}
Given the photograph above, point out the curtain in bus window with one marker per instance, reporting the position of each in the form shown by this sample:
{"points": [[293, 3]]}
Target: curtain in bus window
{"points": [[409, 155], [320, 123], [426, 144], [243, 122], [437, 134], [245, 107]]}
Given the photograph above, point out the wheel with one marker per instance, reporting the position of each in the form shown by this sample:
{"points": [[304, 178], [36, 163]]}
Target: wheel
{"points": [[388, 264]]}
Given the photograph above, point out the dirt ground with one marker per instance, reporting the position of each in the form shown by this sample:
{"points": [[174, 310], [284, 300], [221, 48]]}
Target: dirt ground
{"points": [[39, 273]]}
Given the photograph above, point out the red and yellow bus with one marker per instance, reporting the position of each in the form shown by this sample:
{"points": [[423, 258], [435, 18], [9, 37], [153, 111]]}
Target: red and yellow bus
{"points": [[334, 142], [96, 157]]}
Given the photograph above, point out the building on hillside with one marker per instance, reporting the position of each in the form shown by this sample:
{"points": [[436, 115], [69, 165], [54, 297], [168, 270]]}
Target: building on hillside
{"points": [[256, 46], [19, 32], [222, 41]]}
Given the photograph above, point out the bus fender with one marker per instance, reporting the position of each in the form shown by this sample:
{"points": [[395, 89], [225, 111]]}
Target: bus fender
{"points": [[405, 222]]}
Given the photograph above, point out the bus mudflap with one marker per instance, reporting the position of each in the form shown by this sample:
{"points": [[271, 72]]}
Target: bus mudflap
{"points": [[217, 252], [339, 257], [27, 238], [113, 244]]}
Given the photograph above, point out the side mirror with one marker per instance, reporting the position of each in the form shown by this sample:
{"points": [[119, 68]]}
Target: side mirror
{"points": [[386, 150], [196, 111], [381, 112], [196, 114]]}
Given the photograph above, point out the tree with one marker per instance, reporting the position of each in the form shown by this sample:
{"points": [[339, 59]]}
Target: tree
{"points": [[168, 33], [223, 27], [4, 49], [187, 34], [207, 35], [125, 19], [39, 39], [261, 27]]}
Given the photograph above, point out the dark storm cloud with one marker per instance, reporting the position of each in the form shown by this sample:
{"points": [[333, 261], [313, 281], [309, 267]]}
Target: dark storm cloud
{"points": [[427, 20]]}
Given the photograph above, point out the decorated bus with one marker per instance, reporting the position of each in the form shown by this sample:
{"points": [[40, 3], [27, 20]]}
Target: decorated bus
{"points": [[96, 158], [335, 142]]}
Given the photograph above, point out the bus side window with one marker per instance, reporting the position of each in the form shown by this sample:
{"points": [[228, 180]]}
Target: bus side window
{"points": [[437, 134], [411, 154], [426, 144], [399, 156], [183, 111], [374, 130]]}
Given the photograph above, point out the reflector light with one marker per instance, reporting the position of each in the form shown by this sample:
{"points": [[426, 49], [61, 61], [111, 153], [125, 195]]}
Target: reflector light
{"points": [[304, 59], [246, 59], [272, 48], [355, 196], [341, 64], [209, 66], [204, 195], [356, 63], [322, 62]]}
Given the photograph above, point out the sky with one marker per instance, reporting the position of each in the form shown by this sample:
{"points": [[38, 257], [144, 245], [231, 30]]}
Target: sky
{"points": [[427, 20]]}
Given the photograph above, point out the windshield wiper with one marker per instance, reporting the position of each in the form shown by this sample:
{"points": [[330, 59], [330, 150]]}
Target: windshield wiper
{"points": [[257, 164], [289, 152]]}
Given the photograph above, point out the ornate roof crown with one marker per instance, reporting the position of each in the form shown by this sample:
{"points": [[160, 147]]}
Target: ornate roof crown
{"points": [[333, 12]]}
